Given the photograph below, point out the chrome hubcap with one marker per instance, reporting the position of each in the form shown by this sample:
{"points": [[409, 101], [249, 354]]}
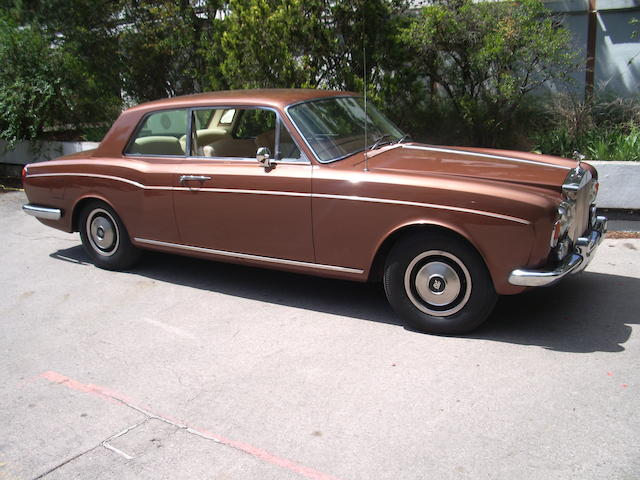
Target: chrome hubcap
{"points": [[102, 232], [438, 283]]}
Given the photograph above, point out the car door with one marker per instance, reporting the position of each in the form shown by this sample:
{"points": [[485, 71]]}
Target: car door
{"points": [[152, 156], [224, 200]]}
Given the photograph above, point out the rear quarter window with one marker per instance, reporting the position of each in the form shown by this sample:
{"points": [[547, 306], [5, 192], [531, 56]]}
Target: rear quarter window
{"points": [[161, 133]]}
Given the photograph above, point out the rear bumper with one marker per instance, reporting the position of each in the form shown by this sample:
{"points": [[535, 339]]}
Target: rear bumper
{"points": [[46, 213], [585, 247]]}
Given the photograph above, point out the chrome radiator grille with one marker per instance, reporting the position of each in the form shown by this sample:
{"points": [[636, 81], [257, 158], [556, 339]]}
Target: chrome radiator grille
{"points": [[580, 190]]}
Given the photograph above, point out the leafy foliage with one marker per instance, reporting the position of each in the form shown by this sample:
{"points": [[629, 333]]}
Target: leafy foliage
{"points": [[487, 57], [320, 44], [313, 43], [603, 129], [169, 48], [59, 63], [31, 90], [459, 71]]}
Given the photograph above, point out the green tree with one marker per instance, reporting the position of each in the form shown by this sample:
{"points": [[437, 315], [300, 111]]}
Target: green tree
{"points": [[487, 57], [32, 91], [311, 43], [169, 48], [321, 44], [84, 32]]}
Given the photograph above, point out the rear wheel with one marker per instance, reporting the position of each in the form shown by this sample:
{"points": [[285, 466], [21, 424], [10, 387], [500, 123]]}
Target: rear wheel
{"points": [[105, 237], [438, 283]]}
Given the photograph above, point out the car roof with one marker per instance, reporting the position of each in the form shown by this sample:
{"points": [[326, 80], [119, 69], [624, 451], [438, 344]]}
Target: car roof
{"points": [[274, 97]]}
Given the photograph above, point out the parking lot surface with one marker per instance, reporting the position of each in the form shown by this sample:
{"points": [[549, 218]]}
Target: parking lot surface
{"points": [[188, 369]]}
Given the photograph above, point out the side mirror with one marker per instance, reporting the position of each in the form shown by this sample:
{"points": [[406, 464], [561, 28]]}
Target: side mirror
{"points": [[263, 155]]}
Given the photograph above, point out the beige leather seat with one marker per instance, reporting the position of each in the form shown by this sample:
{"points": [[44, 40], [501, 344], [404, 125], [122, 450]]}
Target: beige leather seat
{"points": [[157, 145], [232, 147], [210, 135], [204, 137]]}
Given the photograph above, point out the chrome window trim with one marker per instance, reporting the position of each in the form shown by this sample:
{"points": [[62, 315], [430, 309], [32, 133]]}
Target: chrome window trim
{"points": [[252, 159], [299, 194], [189, 135], [139, 127], [247, 256], [189, 110], [484, 155], [279, 124], [326, 97]]}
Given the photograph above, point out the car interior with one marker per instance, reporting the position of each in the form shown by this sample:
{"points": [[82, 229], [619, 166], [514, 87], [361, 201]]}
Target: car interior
{"points": [[227, 133]]}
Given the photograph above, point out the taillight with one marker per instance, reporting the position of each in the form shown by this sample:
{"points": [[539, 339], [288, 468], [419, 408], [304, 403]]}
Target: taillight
{"points": [[25, 172]]}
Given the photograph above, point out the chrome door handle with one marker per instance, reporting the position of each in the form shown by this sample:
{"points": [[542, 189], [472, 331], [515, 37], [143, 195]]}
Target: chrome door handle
{"points": [[195, 178]]}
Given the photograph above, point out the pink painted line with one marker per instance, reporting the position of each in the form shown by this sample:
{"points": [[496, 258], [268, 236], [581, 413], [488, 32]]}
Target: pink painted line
{"points": [[81, 387], [255, 452]]}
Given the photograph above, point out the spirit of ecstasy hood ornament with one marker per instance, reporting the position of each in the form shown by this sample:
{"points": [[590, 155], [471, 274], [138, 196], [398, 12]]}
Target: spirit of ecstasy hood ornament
{"points": [[578, 157]]}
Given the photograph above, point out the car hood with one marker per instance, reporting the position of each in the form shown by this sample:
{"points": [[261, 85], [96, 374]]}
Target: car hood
{"points": [[499, 165]]}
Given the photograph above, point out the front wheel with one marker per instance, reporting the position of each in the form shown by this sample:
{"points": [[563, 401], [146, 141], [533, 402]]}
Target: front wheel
{"points": [[105, 237], [438, 283]]}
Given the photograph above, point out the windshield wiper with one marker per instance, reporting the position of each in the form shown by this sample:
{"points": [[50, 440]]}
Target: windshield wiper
{"points": [[381, 140], [404, 138]]}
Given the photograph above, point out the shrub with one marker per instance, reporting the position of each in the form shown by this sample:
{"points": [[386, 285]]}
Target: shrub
{"points": [[60, 68], [32, 93], [605, 129], [487, 58]]}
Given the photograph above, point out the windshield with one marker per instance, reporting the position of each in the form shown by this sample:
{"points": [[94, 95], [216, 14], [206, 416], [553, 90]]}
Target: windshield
{"points": [[334, 127]]}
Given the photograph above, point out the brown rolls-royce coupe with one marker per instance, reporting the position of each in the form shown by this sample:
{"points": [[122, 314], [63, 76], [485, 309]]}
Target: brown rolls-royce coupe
{"points": [[317, 182]]}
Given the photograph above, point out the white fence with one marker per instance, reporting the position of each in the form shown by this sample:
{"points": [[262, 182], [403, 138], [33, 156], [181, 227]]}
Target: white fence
{"points": [[29, 152]]}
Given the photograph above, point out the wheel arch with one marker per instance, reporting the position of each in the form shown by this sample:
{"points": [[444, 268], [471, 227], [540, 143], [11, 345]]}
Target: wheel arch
{"points": [[377, 266], [80, 204]]}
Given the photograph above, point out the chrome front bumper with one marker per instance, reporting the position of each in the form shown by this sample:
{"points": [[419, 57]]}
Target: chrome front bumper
{"points": [[573, 263], [39, 211]]}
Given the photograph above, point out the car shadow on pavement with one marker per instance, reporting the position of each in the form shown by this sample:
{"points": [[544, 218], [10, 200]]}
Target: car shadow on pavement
{"points": [[591, 312], [366, 301]]}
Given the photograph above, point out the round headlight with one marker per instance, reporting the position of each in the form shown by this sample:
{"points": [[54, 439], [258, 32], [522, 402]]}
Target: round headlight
{"points": [[560, 227]]}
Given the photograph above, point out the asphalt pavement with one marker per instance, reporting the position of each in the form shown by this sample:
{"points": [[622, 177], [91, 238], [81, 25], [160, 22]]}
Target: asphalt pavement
{"points": [[188, 369]]}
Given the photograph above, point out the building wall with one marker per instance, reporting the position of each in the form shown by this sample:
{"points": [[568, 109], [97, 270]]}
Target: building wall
{"points": [[617, 68]]}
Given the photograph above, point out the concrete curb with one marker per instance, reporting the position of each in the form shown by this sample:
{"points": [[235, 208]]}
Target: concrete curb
{"points": [[29, 152], [619, 184]]}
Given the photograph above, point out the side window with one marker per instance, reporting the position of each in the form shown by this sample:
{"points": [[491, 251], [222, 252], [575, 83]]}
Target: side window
{"points": [[253, 128], [202, 118], [227, 117], [255, 122], [161, 133], [289, 151]]}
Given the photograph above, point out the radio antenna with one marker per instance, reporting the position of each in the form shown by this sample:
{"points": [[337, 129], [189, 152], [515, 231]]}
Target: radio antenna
{"points": [[364, 82]]}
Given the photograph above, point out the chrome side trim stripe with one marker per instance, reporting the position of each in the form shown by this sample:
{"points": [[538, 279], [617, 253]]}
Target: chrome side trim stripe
{"points": [[170, 189], [246, 256], [97, 175], [299, 194], [425, 205], [39, 211], [483, 155], [237, 190]]}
